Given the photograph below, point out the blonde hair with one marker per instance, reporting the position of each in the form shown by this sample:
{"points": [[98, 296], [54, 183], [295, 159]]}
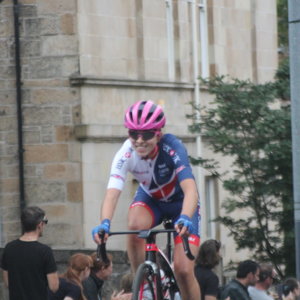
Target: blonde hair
{"points": [[77, 264]]}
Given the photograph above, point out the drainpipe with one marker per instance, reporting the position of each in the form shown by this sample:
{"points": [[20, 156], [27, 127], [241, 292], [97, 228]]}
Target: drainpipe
{"points": [[16, 8], [197, 100]]}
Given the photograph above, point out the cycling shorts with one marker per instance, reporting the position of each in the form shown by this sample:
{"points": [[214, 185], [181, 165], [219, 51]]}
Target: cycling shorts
{"points": [[160, 210]]}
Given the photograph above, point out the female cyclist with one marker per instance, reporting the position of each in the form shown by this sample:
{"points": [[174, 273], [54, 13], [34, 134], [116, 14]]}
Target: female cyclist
{"points": [[167, 188]]}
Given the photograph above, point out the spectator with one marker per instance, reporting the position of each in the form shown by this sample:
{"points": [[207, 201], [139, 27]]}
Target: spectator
{"points": [[265, 281], [208, 257], [290, 289], [99, 273], [28, 265], [70, 283], [126, 288], [237, 289], [126, 282]]}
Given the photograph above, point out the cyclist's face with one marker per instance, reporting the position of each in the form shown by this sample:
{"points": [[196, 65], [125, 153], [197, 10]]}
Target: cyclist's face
{"points": [[144, 147]]}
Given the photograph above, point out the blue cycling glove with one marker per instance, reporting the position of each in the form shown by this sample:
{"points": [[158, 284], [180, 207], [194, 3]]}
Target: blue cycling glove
{"points": [[104, 226], [186, 221]]}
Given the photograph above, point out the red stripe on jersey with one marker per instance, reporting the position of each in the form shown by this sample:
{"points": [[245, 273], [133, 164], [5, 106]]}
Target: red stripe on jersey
{"points": [[166, 190]]}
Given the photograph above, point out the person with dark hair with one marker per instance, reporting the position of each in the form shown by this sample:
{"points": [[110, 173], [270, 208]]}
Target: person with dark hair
{"points": [[247, 274], [290, 289], [266, 278], [28, 266], [208, 257], [100, 272]]}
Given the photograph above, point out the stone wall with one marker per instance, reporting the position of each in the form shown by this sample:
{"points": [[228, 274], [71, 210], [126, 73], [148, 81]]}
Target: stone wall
{"points": [[50, 109]]}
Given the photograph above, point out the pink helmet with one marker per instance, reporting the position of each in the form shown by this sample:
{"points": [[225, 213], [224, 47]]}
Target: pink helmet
{"points": [[144, 115]]}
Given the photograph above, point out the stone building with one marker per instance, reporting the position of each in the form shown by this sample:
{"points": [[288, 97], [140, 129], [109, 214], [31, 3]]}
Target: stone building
{"points": [[81, 64]]}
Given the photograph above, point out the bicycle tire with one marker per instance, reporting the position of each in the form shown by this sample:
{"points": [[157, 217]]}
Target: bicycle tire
{"points": [[146, 284]]}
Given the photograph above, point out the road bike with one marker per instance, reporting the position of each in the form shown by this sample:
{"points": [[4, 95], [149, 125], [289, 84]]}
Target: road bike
{"points": [[154, 278]]}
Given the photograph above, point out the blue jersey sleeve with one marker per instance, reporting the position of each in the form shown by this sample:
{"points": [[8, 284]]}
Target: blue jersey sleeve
{"points": [[178, 153]]}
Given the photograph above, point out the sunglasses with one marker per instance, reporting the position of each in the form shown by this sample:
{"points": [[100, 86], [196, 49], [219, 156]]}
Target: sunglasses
{"points": [[45, 221], [145, 134]]}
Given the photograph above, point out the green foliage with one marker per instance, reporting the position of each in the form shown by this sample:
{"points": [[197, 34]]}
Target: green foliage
{"points": [[282, 22], [248, 123]]}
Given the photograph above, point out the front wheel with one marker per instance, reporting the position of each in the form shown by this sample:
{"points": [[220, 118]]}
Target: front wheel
{"points": [[146, 284]]}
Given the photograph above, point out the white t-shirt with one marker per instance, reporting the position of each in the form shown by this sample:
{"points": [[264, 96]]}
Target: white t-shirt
{"points": [[256, 294]]}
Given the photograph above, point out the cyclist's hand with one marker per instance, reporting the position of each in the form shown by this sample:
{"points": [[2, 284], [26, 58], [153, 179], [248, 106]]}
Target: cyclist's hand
{"points": [[104, 226], [183, 225]]}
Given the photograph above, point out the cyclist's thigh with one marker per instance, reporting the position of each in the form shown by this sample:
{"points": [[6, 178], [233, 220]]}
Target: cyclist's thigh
{"points": [[144, 211], [181, 262]]}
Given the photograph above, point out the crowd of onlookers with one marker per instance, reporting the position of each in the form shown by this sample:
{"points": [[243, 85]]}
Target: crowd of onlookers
{"points": [[29, 272]]}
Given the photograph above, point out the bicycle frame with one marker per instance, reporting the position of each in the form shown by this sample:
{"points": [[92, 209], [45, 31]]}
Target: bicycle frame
{"points": [[150, 268]]}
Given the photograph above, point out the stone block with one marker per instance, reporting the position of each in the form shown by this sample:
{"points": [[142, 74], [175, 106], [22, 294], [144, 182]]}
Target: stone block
{"points": [[49, 26], [11, 199], [67, 25], [63, 235], [50, 96], [11, 138], [30, 171], [47, 139], [32, 136], [42, 116], [30, 48], [8, 123], [68, 172], [27, 11], [32, 27], [75, 152], [13, 227], [9, 185], [46, 153], [45, 67], [44, 192], [64, 133], [70, 65], [3, 48], [10, 213], [55, 7], [75, 191], [59, 45]]}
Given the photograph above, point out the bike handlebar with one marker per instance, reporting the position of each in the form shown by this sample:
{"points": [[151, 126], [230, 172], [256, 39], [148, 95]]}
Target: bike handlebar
{"points": [[101, 249]]}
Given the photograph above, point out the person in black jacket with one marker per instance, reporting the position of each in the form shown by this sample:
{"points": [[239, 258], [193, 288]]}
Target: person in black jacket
{"points": [[100, 272], [208, 257], [247, 274]]}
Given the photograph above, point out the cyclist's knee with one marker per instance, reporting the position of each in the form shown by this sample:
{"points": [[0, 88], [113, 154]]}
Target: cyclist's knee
{"points": [[139, 223], [182, 271]]}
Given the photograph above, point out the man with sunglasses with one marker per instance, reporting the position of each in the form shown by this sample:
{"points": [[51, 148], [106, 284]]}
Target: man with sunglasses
{"points": [[260, 291], [167, 189], [28, 266]]}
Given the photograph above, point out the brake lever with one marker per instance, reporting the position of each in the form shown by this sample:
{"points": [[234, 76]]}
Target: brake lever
{"points": [[186, 245], [101, 248]]}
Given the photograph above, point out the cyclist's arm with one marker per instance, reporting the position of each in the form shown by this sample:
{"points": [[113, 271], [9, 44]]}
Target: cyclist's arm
{"points": [[109, 203], [5, 278], [108, 207], [190, 199]]}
